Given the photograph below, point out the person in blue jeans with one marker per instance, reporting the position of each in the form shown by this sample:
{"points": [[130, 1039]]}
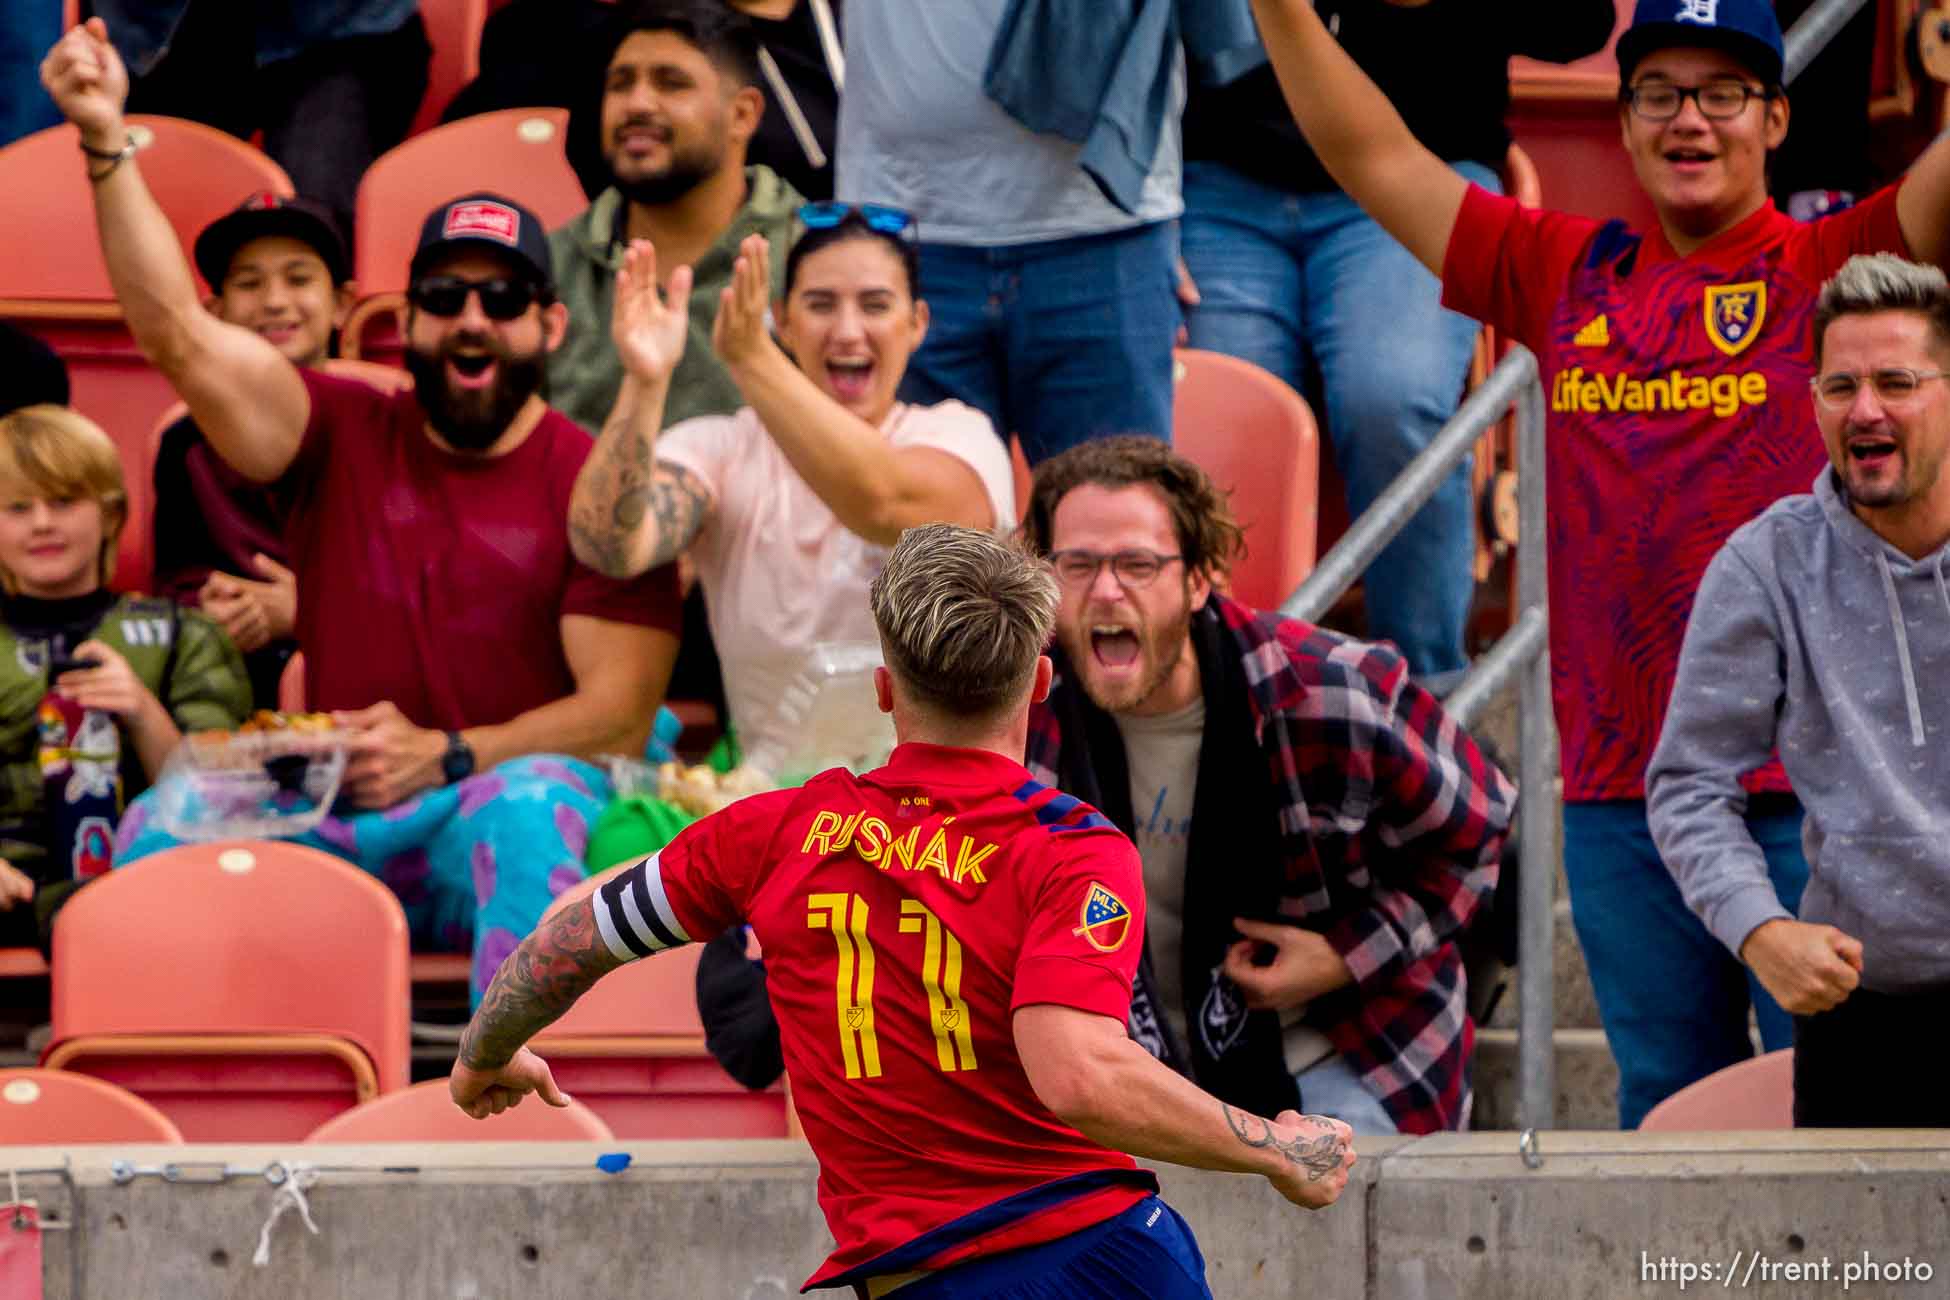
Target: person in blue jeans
{"points": [[1053, 289], [1292, 276]]}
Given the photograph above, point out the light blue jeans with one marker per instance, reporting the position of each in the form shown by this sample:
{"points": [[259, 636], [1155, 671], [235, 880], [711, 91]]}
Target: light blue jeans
{"points": [[1330, 1087], [1309, 287]]}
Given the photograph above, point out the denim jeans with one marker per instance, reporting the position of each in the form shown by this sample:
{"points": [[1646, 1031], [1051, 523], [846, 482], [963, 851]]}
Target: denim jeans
{"points": [[1330, 1087], [1057, 342], [1673, 1000], [1309, 287]]}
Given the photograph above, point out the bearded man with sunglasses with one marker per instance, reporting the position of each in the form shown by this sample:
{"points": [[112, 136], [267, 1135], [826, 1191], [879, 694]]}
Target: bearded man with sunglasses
{"points": [[1820, 629], [1314, 830], [444, 621]]}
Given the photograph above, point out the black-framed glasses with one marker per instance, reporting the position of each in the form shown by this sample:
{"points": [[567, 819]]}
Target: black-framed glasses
{"points": [[446, 295], [1134, 568], [1893, 385], [878, 217], [1660, 101]]}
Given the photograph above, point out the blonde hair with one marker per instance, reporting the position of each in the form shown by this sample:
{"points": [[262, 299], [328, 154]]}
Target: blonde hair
{"points": [[962, 618], [55, 452]]}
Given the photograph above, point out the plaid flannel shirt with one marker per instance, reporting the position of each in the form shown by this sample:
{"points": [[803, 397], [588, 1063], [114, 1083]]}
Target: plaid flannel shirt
{"points": [[1393, 823]]}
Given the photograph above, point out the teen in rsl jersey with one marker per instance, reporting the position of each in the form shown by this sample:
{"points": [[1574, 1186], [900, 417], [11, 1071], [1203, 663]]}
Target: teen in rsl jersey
{"points": [[949, 949], [1675, 363]]}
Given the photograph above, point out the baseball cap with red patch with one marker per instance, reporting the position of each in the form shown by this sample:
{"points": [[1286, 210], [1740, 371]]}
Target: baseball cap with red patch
{"points": [[487, 221], [264, 214]]}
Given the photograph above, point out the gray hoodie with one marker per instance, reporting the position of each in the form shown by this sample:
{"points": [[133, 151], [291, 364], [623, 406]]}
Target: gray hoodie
{"points": [[1812, 633]]}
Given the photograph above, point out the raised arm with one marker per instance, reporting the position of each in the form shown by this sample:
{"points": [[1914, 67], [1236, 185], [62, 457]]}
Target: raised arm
{"points": [[1358, 135], [248, 400], [631, 512], [1923, 204], [1092, 1076], [875, 490]]}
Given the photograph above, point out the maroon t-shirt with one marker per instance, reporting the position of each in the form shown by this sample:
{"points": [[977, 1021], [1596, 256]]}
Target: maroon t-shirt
{"points": [[439, 581]]}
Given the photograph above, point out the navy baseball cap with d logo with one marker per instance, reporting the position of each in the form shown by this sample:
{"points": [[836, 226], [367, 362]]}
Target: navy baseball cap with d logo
{"points": [[1745, 29]]}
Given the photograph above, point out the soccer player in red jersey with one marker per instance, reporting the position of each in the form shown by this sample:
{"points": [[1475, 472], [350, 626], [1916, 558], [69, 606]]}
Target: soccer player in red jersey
{"points": [[1675, 362], [949, 949]]}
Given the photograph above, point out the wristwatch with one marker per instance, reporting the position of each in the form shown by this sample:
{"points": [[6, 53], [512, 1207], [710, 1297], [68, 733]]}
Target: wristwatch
{"points": [[457, 764]]}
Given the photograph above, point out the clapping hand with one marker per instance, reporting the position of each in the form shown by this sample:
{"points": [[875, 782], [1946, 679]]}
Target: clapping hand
{"points": [[742, 332], [649, 327]]}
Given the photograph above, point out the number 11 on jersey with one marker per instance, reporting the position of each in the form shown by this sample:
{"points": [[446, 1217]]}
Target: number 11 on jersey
{"points": [[845, 917]]}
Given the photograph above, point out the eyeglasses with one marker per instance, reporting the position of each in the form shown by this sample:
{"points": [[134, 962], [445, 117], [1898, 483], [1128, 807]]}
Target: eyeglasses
{"points": [[1892, 385], [446, 295], [1659, 101], [1134, 569], [878, 217]]}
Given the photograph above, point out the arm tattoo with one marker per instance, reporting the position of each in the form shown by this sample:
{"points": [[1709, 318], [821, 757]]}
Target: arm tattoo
{"points": [[540, 980], [1319, 1156], [626, 484]]}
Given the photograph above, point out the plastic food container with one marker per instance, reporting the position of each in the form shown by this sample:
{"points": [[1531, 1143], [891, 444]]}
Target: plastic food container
{"points": [[250, 785]]}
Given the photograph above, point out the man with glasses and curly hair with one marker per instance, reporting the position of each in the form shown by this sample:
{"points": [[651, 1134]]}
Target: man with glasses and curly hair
{"points": [[1315, 831], [1818, 633], [950, 946]]}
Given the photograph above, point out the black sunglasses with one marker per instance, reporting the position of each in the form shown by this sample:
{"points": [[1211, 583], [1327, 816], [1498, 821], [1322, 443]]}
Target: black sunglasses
{"points": [[878, 217], [446, 295]]}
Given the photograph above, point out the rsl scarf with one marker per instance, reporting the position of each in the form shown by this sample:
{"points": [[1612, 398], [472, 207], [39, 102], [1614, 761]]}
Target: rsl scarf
{"points": [[1232, 868]]}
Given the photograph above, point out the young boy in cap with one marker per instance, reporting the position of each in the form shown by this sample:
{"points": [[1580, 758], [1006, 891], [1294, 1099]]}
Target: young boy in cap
{"points": [[276, 266], [1676, 361]]}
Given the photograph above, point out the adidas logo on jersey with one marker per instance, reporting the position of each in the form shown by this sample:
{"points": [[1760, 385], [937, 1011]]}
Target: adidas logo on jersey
{"points": [[1595, 334]]}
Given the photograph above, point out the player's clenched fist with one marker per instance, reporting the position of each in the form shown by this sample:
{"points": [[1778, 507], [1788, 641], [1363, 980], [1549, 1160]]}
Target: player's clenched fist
{"points": [[88, 82], [1314, 1153]]}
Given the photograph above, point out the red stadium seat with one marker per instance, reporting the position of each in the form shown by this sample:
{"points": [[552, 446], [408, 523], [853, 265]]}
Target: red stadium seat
{"points": [[56, 1108], [55, 285], [426, 1112], [516, 152], [454, 32], [633, 1049], [1257, 439], [21, 963], [1754, 1094], [250, 990]]}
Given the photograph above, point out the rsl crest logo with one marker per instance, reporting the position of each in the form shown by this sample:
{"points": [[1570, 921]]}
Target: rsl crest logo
{"points": [[1105, 921], [1734, 313]]}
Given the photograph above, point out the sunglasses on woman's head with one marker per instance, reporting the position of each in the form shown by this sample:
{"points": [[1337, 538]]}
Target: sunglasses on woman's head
{"points": [[878, 217]]}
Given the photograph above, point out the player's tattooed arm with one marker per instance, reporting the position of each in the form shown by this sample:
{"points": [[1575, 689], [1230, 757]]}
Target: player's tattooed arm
{"points": [[1317, 1149], [541, 979]]}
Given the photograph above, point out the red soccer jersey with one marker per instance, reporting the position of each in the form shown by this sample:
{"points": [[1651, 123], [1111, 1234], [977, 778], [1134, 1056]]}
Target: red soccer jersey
{"points": [[905, 915], [1678, 410]]}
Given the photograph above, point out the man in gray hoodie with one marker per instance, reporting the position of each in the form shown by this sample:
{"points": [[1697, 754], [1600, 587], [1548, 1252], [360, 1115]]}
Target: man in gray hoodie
{"points": [[1813, 632]]}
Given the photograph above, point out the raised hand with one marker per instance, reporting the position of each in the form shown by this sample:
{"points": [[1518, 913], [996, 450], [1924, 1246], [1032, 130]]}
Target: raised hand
{"points": [[649, 327], [742, 331], [88, 82]]}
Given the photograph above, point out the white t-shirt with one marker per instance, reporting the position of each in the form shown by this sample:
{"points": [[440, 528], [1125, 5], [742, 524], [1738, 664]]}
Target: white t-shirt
{"points": [[781, 574], [1162, 753]]}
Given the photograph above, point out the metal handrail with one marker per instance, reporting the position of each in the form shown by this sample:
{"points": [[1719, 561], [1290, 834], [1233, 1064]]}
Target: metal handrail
{"points": [[1811, 33], [1521, 653]]}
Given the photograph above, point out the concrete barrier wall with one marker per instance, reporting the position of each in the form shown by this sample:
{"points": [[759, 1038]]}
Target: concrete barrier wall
{"points": [[1455, 1216]]}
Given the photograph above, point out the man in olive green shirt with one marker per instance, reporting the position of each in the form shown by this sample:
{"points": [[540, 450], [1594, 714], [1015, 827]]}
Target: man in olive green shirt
{"points": [[671, 118]]}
